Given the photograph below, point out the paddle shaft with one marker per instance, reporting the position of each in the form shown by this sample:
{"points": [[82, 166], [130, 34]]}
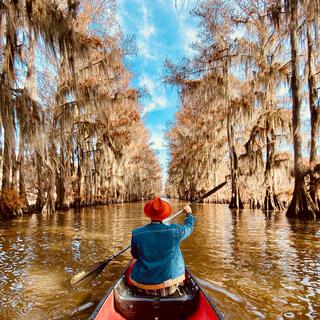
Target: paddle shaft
{"points": [[197, 201], [118, 253]]}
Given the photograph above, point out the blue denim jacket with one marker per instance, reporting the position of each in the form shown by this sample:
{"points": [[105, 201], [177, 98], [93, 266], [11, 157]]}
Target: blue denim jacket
{"points": [[156, 248]]}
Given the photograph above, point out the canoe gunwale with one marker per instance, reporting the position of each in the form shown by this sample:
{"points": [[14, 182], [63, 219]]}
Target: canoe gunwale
{"points": [[107, 294], [208, 298]]}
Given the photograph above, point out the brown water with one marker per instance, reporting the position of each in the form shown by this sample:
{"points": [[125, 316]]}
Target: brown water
{"points": [[254, 266]]}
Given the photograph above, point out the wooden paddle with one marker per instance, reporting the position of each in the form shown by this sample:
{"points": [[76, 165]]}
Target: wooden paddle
{"points": [[93, 271]]}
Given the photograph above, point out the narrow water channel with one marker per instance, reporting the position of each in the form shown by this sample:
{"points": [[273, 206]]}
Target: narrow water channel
{"points": [[254, 265]]}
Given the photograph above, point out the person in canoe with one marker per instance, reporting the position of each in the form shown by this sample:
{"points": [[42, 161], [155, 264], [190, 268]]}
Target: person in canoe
{"points": [[159, 267]]}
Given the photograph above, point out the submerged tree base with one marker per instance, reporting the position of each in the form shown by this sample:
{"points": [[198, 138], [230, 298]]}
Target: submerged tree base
{"points": [[236, 203], [272, 202], [302, 206]]}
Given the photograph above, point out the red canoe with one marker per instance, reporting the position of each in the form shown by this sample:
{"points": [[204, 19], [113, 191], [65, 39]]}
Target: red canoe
{"points": [[121, 303]]}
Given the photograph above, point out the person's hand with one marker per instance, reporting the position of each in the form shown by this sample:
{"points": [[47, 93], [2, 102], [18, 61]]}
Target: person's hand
{"points": [[187, 209]]}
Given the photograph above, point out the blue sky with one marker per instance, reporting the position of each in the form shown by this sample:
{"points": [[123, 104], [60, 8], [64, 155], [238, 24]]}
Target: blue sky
{"points": [[161, 32]]}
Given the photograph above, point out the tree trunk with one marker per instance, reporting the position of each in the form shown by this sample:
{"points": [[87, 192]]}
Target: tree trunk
{"points": [[29, 89], [9, 146], [6, 105], [1, 150], [6, 154], [14, 171], [22, 185], [270, 146], [49, 205], [61, 180], [40, 195], [271, 201], [63, 174], [301, 204], [79, 177], [235, 202], [314, 118]]}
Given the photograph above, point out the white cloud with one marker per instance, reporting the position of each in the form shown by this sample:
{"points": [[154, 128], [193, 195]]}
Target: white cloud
{"points": [[283, 90], [145, 50], [159, 145], [147, 31], [161, 101], [148, 83], [180, 5], [187, 27], [157, 139], [142, 25], [147, 28], [158, 102], [189, 36], [157, 132], [148, 107], [238, 33], [158, 95]]}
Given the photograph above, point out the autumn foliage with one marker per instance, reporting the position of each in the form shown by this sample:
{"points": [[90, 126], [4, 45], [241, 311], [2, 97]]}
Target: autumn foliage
{"points": [[10, 204], [241, 107], [72, 132]]}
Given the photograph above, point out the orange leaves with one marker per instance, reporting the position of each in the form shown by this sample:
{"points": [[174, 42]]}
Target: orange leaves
{"points": [[10, 203], [89, 41]]}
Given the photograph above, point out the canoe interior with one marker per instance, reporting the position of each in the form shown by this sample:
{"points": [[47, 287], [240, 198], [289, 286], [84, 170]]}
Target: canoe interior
{"points": [[122, 303], [108, 310]]}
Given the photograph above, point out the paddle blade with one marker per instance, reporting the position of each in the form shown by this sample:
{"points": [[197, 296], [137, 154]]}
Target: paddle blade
{"points": [[89, 273]]}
